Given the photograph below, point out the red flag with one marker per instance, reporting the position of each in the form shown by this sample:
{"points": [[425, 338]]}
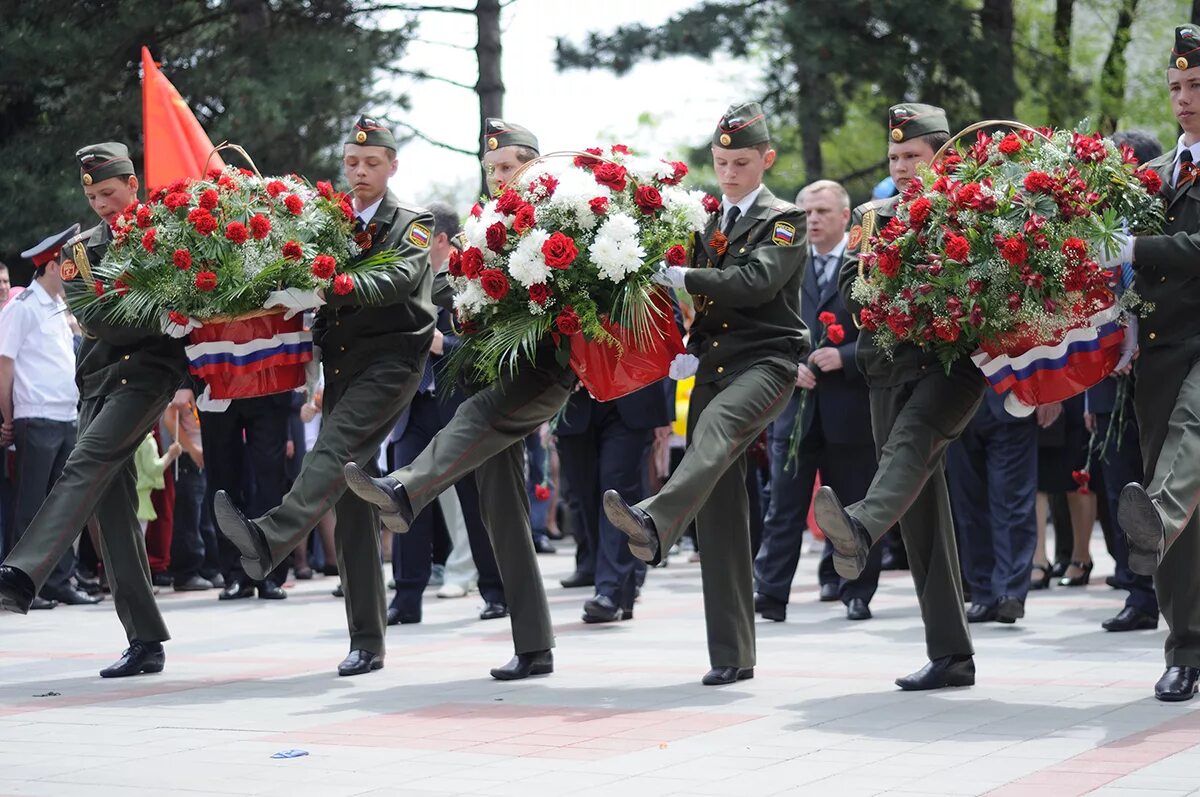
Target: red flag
{"points": [[176, 145]]}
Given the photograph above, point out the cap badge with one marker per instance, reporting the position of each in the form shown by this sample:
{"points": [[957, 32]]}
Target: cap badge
{"points": [[360, 136], [897, 134], [1181, 63], [492, 142], [725, 140], [87, 179]]}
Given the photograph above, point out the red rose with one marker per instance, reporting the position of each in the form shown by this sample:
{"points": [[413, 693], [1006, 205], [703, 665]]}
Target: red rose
{"points": [[1150, 180], [559, 250], [275, 188], [957, 248], [497, 237], [918, 211], [294, 204], [454, 266], [472, 263], [323, 267], [292, 251], [888, 261], [1014, 250], [237, 232], [1010, 144], [206, 281], [567, 321], [599, 205], [148, 239], [648, 199], [539, 293], [1038, 181], [208, 199], [525, 219], [494, 283], [325, 189], [541, 492], [509, 203], [836, 334], [549, 182], [946, 329], [182, 259], [826, 318], [584, 162], [343, 284], [676, 255], [681, 171], [204, 222], [260, 226], [619, 149], [145, 217], [711, 203], [611, 175], [176, 199]]}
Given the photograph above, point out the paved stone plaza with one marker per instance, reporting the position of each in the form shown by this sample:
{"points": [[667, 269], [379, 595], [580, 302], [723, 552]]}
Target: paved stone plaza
{"points": [[1061, 707]]}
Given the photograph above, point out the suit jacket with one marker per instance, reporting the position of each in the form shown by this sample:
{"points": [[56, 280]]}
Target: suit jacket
{"points": [[648, 408]]}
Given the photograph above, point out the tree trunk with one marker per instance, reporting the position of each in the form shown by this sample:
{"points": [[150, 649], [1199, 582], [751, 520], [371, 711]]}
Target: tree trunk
{"points": [[810, 131], [1112, 76], [1056, 110], [490, 86], [998, 94], [1196, 12]]}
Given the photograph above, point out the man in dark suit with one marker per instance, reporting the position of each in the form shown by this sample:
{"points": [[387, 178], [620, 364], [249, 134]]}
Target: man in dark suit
{"points": [[835, 426]]}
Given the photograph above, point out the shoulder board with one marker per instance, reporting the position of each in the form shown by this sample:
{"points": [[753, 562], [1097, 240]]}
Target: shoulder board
{"points": [[861, 232], [408, 207], [782, 206]]}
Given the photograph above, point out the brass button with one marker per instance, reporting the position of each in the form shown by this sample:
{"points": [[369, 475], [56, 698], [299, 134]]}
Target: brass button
{"points": [[126, 381], [1152, 336], [1162, 279], [126, 357], [337, 370], [716, 343], [720, 369], [1170, 218], [724, 326], [337, 323], [742, 251], [341, 348]]}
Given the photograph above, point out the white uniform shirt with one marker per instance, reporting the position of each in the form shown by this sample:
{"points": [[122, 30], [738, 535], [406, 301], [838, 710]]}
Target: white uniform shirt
{"points": [[35, 334]]}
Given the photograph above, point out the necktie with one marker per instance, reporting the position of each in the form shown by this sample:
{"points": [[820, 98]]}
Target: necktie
{"points": [[1187, 170], [427, 384], [822, 264], [731, 218]]}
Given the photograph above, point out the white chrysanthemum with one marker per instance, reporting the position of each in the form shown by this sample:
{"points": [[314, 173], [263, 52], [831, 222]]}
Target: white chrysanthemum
{"points": [[527, 264], [688, 206], [646, 169], [472, 299], [620, 227], [616, 258]]}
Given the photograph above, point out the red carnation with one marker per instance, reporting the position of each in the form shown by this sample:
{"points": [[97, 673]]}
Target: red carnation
{"points": [[676, 255], [957, 248], [611, 175], [567, 321], [494, 283], [918, 211], [260, 226], [1014, 250], [539, 293], [1081, 477], [599, 205], [477, 210], [648, 199], [1038, 181], [244, 172], [208, 199], [559, 250], [227, 182], [343, 284], [323, 267], [497, 237], [276, 187], [541, 492], [1010, 144], [294, 204], [325, 189], [1075, 250], [98, 287], [968, 196], [292, 251], [711, 203], [148, 239], [888, 261], [145, 217], [1150, 180], [472, 263], [525, 219], [509, 202], [346, 209], [204, 222], [177, 318], [454, 266], [826, 318], [548, 182], [206, 281], [836, 334], [176, 199], [178, 185], [120, 287], [182, 259], [237, 232]]}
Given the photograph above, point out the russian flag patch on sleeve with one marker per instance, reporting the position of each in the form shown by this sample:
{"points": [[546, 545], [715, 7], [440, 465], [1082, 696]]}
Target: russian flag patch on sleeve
{"points": [[419, 236], [784, 234]]}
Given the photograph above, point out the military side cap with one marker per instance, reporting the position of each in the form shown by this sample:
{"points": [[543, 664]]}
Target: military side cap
{"points": [[1186, 53], [50, 248], [102, 161], [371, 132], [498, 134], [911, 119], [742, 126]]}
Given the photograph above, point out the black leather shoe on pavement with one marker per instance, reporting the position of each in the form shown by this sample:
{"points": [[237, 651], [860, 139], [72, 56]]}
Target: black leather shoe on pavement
{"points": [[523, 665], [194, 583], [359, 662], [578, 579], [271, 592], [70, 596], [542, 544], [1130, 619], [857, 609], [1009, 610], [236, 590], [939, 673], [634, 524], [1143, 529], [245, 536], [720, 676], [603, 609], [138, 658], [16, 590], [396, 616], [1177, 684], [493, 611], [395, 510], [979, 613], [769, 608], [39, 604], [829, 593], [851, 542]]}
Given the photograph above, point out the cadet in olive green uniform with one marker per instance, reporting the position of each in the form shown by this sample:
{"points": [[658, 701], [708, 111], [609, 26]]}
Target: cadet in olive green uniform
{"points": [[748, 337], [1160, 521], [373, 348], [917, 410], [126, 377]]}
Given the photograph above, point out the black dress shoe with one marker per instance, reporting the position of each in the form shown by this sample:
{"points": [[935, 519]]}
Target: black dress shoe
{"points": [[493, 611], [161, 580], [39, 604], [634, 524], [939, 673], [542, 544], [338, 592], [1130, 619], [1009, 610], [389, 495], [138, 658], [851, 542], [1143, 527], [245, 535], [270, 592], [70, 596], [396, 616], [603, 609], [17, 592], [236, 590], [770, 608], [359, 662], [857, 609], [523, 665], [193, 583], [1177, 684], [720, 676], [830, 593], [1112, 582], [980, 613], [579, 579]]}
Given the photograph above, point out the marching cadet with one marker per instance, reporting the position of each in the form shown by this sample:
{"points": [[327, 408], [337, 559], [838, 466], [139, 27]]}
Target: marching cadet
{"points": [[1160, 520], [374, 341], [917, 411], [746, 343], [486, 435], [126, 377]]}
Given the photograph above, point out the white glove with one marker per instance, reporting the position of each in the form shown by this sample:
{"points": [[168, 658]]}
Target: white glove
{"points": [[671, 276], [295, 300], [312, 374], [206, 403], [1120, 252], [175, 330], [1129, 345], [683, 366]]}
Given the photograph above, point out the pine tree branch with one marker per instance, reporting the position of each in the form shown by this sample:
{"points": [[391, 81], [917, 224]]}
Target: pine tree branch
{"points": [[421, 74], [418, 134], [412, 8]]}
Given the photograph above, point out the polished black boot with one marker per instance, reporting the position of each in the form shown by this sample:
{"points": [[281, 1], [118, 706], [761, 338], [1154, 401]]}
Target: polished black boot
{"points": [[1177, 684], [939, 673], [395, 510], [721, 676], [634, 524], [359, 662], [851, 542], [603, 609], [138, 658], [523, 665], [247, 537]]}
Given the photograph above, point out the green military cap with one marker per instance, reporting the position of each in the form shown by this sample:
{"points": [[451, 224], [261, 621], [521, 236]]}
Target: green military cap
{"points": [[371, 132], [499, 133], [1186, 53], [911, 119], [743, 125], [101, 161]]}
